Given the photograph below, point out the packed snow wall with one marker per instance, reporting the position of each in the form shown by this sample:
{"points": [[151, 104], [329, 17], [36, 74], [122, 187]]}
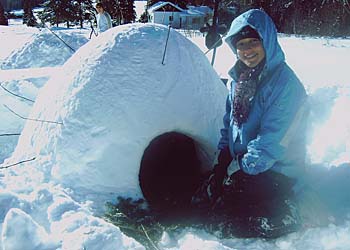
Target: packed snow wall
{"points": [[111, 99], [43, 49]]}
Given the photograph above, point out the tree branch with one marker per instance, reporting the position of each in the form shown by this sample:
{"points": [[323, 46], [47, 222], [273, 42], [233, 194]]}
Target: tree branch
{"points": [[25, 98], [20, 162], [31, 119], [147, 236], [10, 134]]}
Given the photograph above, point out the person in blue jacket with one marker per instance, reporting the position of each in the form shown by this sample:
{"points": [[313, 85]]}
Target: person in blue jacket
{"points": [[104, 21], [264, 126]]}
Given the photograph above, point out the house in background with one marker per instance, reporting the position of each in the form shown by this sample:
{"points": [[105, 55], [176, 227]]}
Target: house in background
{"points": [[168, 13]]}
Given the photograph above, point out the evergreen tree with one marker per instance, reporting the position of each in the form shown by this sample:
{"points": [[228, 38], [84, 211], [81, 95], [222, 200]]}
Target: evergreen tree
{"points": [[308, 17], [123, 5], [227, 11], [113, 8], [80, 8], [58, 11], [150, 3], [121, 11], [28, 16], [144, 17], [3, 19], [181, 3], [209, 3], [127, 10]]}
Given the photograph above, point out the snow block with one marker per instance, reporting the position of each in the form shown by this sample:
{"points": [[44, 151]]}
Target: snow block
{"points": [[112, 98], [48, 49], [20, 232], [78, 231], [10, 200]]}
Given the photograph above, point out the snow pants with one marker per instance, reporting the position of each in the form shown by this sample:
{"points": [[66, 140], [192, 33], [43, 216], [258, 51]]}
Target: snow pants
{"points": [[251, 206]]}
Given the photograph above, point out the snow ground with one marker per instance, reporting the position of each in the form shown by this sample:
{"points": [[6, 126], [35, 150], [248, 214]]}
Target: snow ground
{"points": [[57, 221]]}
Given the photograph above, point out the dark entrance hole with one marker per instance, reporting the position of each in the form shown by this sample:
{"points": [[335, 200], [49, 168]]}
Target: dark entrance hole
{"points": [[170, 172]]}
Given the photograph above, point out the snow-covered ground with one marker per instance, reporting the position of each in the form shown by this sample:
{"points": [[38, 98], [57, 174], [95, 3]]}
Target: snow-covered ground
{"points": [[44, 202]]}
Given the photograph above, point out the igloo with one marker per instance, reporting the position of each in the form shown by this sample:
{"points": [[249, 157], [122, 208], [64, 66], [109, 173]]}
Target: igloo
{"points": [[115, 97]]}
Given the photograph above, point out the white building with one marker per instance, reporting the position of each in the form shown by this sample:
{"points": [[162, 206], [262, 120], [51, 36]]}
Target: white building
{"points": [[168, 13]]}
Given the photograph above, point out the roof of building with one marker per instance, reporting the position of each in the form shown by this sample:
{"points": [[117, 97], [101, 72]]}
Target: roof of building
{"points": [[191, 11], [200, 9], [161, 4]]}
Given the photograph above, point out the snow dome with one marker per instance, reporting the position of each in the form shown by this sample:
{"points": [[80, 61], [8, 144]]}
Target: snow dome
{"points": [[111, 99], [47, 47]]}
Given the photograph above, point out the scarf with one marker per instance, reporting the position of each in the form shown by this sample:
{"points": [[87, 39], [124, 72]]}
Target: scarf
{"points": [[244, 92]]}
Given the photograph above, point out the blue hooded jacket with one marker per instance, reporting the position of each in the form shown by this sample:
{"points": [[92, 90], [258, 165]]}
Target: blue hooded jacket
{"points": [[273, 136]]}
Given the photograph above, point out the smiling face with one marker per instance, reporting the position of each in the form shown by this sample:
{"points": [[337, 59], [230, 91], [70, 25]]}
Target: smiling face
{"points": [[250, 51]]}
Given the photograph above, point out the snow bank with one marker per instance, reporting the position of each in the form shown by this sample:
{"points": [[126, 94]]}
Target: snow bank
{"points": [[47, 219], [14, 38], [19, 225], [45, 49], [10, 123], [35, 49], [111, 99]]}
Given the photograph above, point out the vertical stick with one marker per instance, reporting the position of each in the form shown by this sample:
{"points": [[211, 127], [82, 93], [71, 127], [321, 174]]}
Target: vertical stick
{"points": [[213, 57], [166, 45], [215, 25]]}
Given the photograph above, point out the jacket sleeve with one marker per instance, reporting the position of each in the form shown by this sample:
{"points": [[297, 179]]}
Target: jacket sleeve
{"points": [[279, 123], [109, 20], [224, 140]]}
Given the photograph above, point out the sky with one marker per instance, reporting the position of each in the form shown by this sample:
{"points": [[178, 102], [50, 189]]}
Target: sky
{"points": [[100, 106]]}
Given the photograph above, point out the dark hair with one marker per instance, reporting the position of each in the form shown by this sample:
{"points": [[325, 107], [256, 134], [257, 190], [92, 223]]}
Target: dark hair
{"points": [[98, 5], [245, 32]]}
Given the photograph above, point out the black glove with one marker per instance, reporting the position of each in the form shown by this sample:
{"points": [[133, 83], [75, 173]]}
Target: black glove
{"points": [[216, 179]]}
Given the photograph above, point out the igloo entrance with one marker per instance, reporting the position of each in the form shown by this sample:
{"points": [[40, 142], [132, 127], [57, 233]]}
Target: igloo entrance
{"points": [[170, 171]]}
